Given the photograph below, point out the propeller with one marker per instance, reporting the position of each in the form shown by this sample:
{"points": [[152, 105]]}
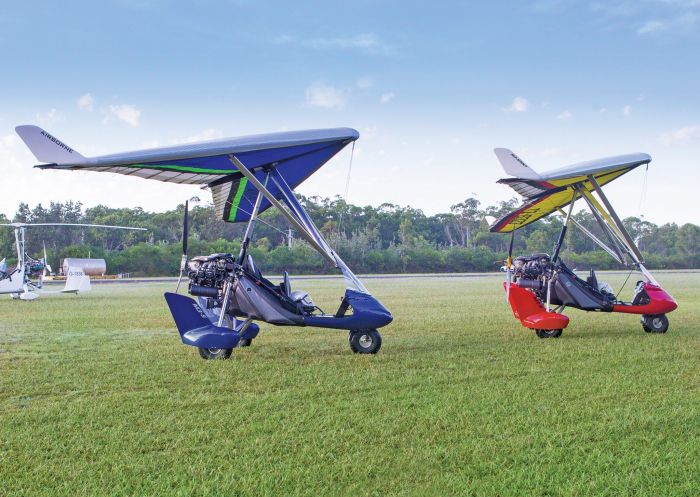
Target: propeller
{"points": [[46, 260], [185, 234], [509, 263]]}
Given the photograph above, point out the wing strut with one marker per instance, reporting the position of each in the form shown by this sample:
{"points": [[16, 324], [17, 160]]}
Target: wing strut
{"points": [[612, 235], [271, 198], [298, 210], [595, 239], [634, 251]]}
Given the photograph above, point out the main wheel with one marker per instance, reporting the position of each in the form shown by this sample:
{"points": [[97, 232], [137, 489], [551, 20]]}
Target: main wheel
{"points": [[365, 341], [215, 353], [245, 342], [655, 323], [548, 333]]}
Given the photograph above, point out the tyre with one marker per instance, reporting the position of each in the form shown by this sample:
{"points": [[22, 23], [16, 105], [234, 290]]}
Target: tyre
{"points": [[215, 353], [548, 333], [655, 323], [245, 342], [365, 341]]}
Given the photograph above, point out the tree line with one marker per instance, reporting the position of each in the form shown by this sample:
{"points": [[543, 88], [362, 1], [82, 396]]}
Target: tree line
{"points": [[384, 239]]}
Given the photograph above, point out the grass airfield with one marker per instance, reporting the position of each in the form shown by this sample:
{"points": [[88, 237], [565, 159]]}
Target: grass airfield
{"points": [[99, 397]]}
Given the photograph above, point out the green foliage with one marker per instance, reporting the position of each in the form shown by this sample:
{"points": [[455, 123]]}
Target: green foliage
{"points": [[384, 239]]}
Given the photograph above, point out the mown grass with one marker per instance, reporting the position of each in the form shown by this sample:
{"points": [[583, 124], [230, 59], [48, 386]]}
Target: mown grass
{"points": [[98, 397]]}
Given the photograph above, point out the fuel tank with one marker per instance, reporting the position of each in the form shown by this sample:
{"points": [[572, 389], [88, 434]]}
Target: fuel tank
{"points": [[91, 267]]}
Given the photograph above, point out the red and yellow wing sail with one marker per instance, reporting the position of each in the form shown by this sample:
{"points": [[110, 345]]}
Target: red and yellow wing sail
{"points": [[545, 197]]}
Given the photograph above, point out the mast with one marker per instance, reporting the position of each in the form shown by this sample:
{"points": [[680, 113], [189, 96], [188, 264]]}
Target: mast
{"points": [[251, 224], [562, 233]]}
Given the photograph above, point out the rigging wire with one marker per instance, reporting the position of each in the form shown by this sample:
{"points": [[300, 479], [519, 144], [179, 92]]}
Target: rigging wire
{"points": [[347, 187], [258, 218], [643, 197], [623, 285], [286, 233], [347, 180]]}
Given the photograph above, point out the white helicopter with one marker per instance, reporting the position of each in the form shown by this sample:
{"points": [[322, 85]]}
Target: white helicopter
{"points": [[18, 281]]}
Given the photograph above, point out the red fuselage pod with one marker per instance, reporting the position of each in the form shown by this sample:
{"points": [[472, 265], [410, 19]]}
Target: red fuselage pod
{"points": [[658, 302], [531, 313]]}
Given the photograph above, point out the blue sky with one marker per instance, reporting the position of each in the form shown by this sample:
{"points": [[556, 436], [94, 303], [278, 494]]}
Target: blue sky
{"points": [[432, 87]]}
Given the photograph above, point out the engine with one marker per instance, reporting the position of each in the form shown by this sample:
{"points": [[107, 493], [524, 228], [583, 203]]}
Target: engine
{"points": [[533, 271], [207, 274]]}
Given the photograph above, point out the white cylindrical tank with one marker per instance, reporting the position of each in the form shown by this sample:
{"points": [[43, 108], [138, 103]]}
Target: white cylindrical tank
{"points": [[91, 267]]}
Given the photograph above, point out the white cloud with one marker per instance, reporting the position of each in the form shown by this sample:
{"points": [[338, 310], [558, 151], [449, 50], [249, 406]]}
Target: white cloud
{"points": [[49, 117], [685, 22], [367, 42], [565, 115], [603, 110], [150, 144], [369, 132], [86, 102], [7, 143], [319, 94], [681, 136], [365, 83], [519, 104], [651, 27], [552, 6], [551, 152], [13, 156], [627, 110], [129, 114], [206, 134], [283, 40], [387, 97]]}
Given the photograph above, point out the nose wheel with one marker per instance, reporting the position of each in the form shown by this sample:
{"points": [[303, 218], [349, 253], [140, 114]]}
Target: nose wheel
{"points": [[215, 353], [548, 333], [655, 323], [365, 341]]}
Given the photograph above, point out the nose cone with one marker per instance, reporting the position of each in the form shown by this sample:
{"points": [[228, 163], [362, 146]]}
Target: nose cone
{"points": [[380, 314], [368, 311]]}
